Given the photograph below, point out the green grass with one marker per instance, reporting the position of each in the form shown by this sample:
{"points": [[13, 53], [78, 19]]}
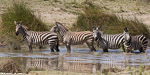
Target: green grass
{"points": [[19, 12], [109, 23]]}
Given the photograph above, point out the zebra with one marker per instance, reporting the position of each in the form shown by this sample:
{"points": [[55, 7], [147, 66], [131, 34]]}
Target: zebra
{"points": [[138, 42], [37, 38], [109, 41], [74, 38], [127, 41]]}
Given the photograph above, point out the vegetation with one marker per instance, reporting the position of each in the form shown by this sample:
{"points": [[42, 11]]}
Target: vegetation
{"points": [[19, 12], [10, 67], [92, 16], [109, 23]]}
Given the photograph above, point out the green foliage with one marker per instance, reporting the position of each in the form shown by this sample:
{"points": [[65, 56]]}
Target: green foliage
{"points": [[19, 12], [109, 23]]}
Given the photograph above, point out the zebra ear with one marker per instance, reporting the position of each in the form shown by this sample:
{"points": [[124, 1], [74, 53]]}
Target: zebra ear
{"points": [[20, 22], [126, 29], [25, 27], [15, 22], [93, 28], [98, 28], [58, 23]]}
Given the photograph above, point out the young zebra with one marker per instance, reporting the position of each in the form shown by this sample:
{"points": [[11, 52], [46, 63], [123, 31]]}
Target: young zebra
{"points": [[74, 38], [37, 38], [138, 42], [108, 41]]}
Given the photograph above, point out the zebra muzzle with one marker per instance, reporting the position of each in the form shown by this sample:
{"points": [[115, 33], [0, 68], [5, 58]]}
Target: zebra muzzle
{"points": [[16, 33]]}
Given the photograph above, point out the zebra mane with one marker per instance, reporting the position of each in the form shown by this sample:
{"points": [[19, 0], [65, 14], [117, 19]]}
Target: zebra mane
{"points": [[61, 26], [101, 32], [24, 29], [100, 35]]}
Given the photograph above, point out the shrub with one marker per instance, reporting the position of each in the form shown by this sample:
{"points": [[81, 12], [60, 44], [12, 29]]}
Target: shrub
{"points": [[109, 23], [19, 12]]}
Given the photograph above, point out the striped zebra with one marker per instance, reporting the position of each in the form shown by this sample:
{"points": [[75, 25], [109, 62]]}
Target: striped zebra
{"points": [[108, 41], [74, 38], [138, 42], [127, 41], [38, 38]]}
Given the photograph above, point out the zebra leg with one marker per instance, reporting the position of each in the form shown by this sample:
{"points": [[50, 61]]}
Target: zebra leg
{"points": [[30, 48], [57, 45], [52, 47], [123, 48], [68, 48], [57, 49], [105, 50], [142, 50], [90, 45], [52, 50]]}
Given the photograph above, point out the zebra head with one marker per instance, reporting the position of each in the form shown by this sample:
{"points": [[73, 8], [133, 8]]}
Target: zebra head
{"points": [[58, 27], [18, 27], [127, 39], [54, 29], [96, 33], [127, 36]]}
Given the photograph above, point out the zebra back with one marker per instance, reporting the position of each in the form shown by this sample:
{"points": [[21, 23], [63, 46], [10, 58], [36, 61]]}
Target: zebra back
{"points": [[73, 38], [108, 41], [139, 41], [36, 38]]}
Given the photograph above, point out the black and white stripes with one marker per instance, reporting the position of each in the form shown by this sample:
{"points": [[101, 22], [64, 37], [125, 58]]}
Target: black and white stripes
{"points": [[124, 40], [138, 42], [37, 38], [107, 41], [74, 38]]}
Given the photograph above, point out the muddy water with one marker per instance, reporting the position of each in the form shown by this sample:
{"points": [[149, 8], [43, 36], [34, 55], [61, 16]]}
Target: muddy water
{"points": [[80, 60]]}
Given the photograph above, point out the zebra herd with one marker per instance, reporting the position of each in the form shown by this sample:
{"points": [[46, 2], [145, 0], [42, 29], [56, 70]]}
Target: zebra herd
{"points": [[105, 41]]}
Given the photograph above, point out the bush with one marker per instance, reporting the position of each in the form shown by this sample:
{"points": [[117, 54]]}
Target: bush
{"points": [[19, 12], [109, 23]]}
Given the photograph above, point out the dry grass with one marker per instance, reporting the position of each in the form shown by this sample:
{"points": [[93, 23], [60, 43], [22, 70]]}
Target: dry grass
{"points": [[109, 23], [19, 12], [10, 67]]}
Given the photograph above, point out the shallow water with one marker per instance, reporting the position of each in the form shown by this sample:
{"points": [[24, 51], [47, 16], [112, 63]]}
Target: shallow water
{"points": [[80, 60]]}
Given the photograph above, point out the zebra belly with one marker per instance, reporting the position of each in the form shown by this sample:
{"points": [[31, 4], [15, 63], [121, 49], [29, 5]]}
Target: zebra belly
{"points": [[135, 46], [77, 43], [40, 43], [113, 46]]}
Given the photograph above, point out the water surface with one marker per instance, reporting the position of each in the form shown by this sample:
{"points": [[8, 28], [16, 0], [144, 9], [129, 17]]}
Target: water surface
{"points": [[80, 60]]}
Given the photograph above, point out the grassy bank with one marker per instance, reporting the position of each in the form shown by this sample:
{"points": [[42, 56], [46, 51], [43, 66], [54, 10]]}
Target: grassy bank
{"points": [[19, 12], [109, 23], [91, 14]]}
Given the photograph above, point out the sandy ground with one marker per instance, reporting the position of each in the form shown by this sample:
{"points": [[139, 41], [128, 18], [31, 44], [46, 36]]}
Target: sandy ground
{"points": [[50, 11]]}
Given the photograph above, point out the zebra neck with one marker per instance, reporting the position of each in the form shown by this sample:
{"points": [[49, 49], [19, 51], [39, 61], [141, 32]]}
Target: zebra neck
{"points": [[62, 30], [24, 35], [100, 38], [62, 33]]}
